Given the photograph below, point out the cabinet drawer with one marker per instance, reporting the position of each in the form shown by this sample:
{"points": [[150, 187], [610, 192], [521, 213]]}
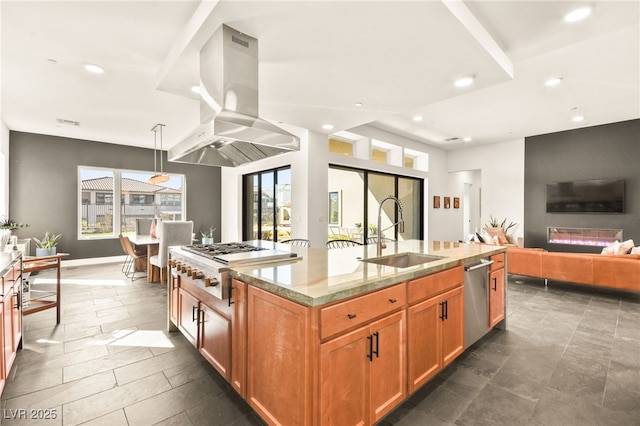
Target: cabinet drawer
{"points": [[498, 262], [344, 315], [431, 285]]}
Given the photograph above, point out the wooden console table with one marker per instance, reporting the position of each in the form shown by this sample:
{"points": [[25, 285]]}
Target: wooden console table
{"points": [[42, 302]]}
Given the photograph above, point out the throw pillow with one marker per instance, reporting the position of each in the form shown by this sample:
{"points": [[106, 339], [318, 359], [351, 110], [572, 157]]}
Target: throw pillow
{"points": [[611, 248], [635, 250], [153, 229], [498, 233], [625, 247]]}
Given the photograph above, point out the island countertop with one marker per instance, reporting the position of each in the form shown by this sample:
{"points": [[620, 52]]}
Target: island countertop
{"points": [[324, 276]]}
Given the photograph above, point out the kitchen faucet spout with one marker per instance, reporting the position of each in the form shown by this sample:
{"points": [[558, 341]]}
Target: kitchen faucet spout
{"points": [[400, 222]]}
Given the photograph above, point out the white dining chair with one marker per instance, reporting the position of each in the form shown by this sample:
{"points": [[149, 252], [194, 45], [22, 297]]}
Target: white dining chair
{"points": [[170, 233]]}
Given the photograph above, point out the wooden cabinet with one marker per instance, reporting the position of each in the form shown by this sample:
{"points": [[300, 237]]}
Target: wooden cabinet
{"points": [[215, 339], [188, 316], [435, 324], [363, 373], [496, 290], [206, 328], [10, 319], [174, 306], [239, 337], [279, 385]]}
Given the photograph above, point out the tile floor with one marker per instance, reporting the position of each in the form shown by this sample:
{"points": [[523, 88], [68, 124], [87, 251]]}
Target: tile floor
{"points": [[570, 356]]}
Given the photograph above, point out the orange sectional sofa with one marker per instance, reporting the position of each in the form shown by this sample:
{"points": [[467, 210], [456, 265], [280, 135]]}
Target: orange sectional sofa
{"points": [[614, 271]]}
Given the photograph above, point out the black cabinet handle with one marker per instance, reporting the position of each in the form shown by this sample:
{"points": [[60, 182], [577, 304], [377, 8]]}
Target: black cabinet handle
{"points": [[393, 300], [351, 316], [377, 344], [370, 355], [495, 284], [446, 309], [442, 317], [231, 302]]}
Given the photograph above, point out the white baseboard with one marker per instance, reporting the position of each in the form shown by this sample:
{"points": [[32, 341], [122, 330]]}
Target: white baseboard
{"points": [[92, 261]]}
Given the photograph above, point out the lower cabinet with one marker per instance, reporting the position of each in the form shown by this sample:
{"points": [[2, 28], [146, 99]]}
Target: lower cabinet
{"points": [[239, 337], [279, 364], [207, 329], [496, 297], [10, 320], [435, 335], [363, 373]]}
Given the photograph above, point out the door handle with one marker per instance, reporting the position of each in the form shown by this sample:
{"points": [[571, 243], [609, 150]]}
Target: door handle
{"points": [[377, 344], [495, 284], [442, 317], [370, 355]]}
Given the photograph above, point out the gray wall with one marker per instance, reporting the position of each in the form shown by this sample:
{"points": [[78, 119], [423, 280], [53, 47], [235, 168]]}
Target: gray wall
{"points": [[607, 151], [43, 187]]}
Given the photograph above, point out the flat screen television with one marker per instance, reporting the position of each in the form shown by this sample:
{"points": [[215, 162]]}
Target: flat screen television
{"points": [[586, 196]]}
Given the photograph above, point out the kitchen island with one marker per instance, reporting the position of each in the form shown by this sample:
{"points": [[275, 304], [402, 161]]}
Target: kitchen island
{"points": [[331, 338]]}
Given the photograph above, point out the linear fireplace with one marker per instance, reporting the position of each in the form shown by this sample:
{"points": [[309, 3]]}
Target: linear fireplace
{"points": [[583, 236]]}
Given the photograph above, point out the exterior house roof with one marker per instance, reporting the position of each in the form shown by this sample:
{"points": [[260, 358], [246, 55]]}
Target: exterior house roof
{"points": [[128, 185]]}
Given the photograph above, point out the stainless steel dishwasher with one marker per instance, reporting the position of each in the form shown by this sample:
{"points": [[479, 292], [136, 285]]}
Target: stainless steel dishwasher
{"points": [[476, 301]]}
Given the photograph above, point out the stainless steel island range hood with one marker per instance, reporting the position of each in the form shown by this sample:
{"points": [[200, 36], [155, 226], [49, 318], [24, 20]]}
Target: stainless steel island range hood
{"points": [[231, 132]]}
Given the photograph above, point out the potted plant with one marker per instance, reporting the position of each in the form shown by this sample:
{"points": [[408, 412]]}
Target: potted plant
{"points": [[207, 236], [47, 245]]}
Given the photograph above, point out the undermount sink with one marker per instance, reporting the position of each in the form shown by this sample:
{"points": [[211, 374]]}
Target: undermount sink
{"points": [[403, 260]]}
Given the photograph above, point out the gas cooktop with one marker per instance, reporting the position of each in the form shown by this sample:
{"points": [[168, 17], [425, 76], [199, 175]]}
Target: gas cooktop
{"points": [[231, 254]]}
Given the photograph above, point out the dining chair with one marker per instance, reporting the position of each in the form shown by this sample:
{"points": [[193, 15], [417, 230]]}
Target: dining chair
{"points": [[334, 244], [299, 242], [137, 260], [170, 233], [143, 226]]}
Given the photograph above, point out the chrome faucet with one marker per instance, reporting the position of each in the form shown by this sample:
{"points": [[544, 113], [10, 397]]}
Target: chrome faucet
{"points": [[400, 222]]}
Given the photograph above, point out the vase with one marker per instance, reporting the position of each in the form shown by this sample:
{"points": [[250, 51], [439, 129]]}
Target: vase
{"points": [[207, 241], [41, 252]]}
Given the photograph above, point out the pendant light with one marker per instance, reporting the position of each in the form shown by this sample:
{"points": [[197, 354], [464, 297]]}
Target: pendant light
{"points": [[157, 177]]}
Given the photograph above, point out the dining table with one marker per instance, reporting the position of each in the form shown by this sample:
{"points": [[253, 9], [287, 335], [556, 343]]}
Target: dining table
{"points": [[152, 244]]}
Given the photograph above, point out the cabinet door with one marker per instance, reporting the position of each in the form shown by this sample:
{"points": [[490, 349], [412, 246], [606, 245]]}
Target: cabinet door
{"points": [[453, 325], [188, 316], [7, 341], [344, 379], [3, 369], [388, 369], [239, 337], [16, 316], [496, 297], [278, 358], [215, 340], [424, 342], [174, 308]]}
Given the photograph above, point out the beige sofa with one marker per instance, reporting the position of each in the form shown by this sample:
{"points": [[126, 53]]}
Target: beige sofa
{"points": [[614, 271]]}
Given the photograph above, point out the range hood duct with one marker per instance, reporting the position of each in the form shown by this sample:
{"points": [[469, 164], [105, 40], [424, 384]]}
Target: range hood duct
{"points": [[231, 133]]}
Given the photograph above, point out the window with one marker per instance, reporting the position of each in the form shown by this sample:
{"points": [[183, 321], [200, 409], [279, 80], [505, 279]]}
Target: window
{"points": [[267, 205], [338, 146], [101, 217], [359, 193]]}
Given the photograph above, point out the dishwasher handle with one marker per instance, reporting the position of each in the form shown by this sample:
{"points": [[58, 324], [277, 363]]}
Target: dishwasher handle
{"points": [[482, 264]]}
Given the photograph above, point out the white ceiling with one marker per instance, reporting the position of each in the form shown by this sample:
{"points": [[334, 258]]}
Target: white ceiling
{"points": [[317, 59]]}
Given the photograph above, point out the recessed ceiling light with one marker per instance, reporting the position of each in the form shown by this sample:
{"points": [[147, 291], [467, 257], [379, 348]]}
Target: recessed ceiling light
{"points": [[195, 89], [327, 126], [577, 118], [553, 81], [92, 68], [417, 118], [578, 14], [358, 104], [463, 82], [467, 139]]}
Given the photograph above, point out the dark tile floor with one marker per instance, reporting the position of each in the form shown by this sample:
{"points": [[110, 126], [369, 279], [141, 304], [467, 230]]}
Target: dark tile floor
{"points": [[570, 356]]}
